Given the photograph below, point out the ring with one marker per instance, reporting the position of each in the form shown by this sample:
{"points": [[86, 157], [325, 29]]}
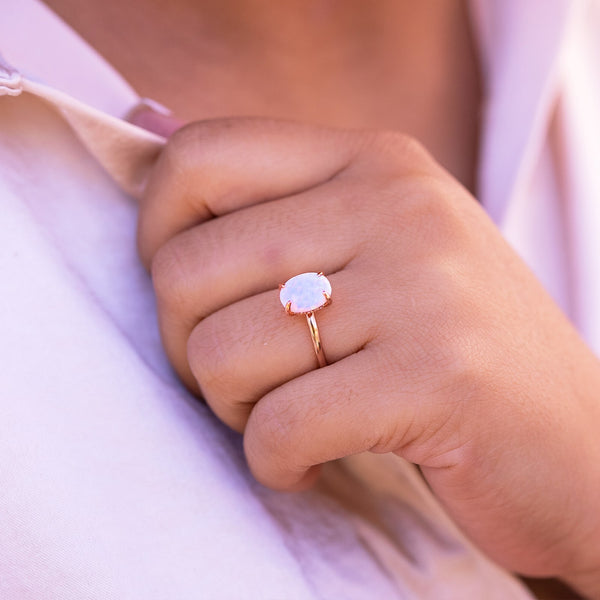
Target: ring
{"points": [[303, 295]]}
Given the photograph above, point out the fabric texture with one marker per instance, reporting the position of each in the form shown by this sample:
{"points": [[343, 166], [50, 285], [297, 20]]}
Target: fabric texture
{"points": [[114, 481]]}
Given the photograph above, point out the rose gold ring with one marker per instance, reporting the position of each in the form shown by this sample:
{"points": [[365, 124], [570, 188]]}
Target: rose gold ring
{"points": [[303, 295]]}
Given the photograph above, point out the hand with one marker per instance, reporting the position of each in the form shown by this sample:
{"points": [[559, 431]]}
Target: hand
{"points": [[444, 348]]}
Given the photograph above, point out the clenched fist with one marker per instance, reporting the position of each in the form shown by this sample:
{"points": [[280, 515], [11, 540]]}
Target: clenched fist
{"points": [[443, 347]]}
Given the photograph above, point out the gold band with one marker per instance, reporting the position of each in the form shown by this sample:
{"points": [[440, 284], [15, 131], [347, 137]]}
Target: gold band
{"points": [[303, 295], [316, 339]]}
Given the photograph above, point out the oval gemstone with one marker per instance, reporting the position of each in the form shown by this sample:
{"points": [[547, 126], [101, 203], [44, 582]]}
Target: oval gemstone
{"points": [[305, 292]]}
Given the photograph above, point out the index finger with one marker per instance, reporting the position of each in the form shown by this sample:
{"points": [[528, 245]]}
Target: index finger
{"points": [[211, 168]]}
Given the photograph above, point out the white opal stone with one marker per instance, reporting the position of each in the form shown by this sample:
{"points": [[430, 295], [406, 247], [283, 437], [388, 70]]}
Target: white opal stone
{"points": [[306, 292]]}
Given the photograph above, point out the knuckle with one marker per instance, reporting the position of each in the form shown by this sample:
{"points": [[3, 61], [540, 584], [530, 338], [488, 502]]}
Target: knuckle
{"points": [[210, 359], [397, 150], [201, 153], [435, 216], [446, 339], [192, 156], [415, 195], [274, 429], [442, 214], [425, 211], [182, 144], [170, 276], [393, 142]]}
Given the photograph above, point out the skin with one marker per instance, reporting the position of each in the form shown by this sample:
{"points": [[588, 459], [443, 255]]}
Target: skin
{"points": [[444, 348], [390, 64]]}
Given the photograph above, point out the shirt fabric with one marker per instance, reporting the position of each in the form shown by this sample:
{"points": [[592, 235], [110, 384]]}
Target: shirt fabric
{"points": [[115, 483]]}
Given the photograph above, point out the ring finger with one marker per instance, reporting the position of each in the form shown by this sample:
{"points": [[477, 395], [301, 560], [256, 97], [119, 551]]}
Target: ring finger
{"points": [[243, 351], [246, 253]]}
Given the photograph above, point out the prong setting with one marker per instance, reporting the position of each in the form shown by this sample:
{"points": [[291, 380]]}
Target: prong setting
{"points": [[305, 293]]}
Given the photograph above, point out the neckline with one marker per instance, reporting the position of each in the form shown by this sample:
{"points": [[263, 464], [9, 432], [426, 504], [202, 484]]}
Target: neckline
{"points": [[519, 65], [42, 47]]}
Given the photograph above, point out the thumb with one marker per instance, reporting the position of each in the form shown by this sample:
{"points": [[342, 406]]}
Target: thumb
{"points": [[154, 117]]}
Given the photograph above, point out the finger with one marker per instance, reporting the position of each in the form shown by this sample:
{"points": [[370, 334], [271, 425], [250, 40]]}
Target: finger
{"points": [[249, 348], [246, 253], [215, 167], [328, 413]]}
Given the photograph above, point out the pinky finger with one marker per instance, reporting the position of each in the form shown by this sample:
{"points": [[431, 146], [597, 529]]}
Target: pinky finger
{"points": [[329, 413]]}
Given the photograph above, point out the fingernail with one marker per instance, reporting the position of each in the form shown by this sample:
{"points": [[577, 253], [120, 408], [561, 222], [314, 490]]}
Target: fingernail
{"points": [[155, 106], [154, 117]]}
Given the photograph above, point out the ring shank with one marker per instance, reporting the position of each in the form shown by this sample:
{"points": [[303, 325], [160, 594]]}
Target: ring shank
{"points": [[316, 339]]}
